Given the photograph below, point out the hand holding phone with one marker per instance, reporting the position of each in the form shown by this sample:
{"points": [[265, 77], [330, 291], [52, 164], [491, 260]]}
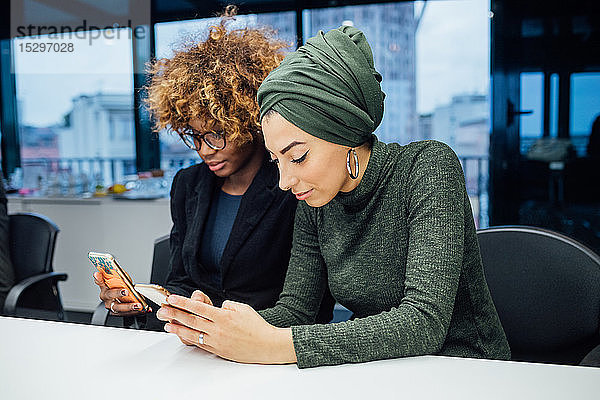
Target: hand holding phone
{"points": [[155, 293], [116, 278]]}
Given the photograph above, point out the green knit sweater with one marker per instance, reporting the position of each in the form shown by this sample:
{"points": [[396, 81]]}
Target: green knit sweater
{"points": [[400, 252]]}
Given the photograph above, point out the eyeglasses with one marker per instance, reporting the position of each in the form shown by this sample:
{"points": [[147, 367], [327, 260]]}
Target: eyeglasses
{"points": [[191, 138]]}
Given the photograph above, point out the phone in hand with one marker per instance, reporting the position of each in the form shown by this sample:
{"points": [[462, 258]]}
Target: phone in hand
{"points": [[155, 293], [116, 278]]}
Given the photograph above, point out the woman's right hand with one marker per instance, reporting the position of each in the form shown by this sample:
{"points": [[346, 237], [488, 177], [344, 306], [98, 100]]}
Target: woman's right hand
{"points": [[198, 295], [113, 299]]}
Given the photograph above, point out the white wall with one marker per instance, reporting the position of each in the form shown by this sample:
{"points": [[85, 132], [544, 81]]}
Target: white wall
{"points": [[124, 228]]}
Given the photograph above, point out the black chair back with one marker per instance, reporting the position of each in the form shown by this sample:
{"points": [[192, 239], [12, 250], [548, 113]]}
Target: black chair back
{"points": [[160, 261], [32, 241], [546, 288], [32, 238]]}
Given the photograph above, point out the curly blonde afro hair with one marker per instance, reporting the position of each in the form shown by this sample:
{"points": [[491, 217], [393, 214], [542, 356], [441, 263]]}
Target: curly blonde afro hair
{"points": [[215, 80]]}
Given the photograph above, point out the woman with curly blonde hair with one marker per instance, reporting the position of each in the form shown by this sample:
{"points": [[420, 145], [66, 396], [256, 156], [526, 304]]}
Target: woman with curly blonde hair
{"points": [[232, 226]]}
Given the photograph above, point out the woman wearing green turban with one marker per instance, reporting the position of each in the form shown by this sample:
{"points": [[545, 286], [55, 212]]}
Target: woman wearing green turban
{"points": [[387, 228]]}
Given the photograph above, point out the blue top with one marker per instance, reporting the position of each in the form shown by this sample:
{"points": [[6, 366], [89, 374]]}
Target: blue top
{"points": [[222, 213]]}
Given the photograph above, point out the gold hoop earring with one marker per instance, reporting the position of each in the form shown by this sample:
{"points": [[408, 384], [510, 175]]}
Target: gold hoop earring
{"points": [[356, 165]]}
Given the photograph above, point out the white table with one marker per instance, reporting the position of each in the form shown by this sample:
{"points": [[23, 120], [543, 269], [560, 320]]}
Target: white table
{"points": [[53, 360]]}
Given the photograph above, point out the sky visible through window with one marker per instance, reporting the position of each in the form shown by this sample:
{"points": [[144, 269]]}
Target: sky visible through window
{"points": [[453, 51], [48, 82], [444, 67]]}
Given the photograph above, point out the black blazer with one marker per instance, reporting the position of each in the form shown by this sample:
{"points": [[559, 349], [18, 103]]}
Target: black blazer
{"points": [[7, 273], [256, 256]]}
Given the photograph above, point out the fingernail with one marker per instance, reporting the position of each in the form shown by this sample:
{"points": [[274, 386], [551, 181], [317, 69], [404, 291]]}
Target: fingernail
{"points": [[123, 292], [168, 327], [172, 300], [136, 306], [160, 313]]}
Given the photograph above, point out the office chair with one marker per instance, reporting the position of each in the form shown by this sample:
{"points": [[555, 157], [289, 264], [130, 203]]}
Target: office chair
{"points": [[546, 288], [32, 239], [160, 261], [160, 270]]}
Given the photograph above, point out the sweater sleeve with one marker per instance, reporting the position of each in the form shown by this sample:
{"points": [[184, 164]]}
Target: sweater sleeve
{"points": [[434, 195], [306, 276]]}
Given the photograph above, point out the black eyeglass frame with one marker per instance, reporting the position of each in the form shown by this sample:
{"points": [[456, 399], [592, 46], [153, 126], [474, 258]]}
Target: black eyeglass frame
{"points": [[196, 137]]}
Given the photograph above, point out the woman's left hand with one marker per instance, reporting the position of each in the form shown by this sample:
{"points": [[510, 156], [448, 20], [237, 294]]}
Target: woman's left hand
{"points": [[235, 331]]}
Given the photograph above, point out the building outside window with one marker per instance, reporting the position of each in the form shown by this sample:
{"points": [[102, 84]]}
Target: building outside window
{"points": [[436, 86], [75, 113], [80, 107]]}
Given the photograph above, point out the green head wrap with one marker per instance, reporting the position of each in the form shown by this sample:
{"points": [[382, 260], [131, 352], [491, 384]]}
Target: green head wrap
{"points": [[328, 88]]}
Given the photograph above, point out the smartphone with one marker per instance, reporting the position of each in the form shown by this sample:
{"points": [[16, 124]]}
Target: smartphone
{"points": [[116, 278], [155, 293]]}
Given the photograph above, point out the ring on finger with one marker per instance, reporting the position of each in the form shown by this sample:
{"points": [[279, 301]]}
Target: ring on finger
{"points": [[201, 338], [111, 307]]}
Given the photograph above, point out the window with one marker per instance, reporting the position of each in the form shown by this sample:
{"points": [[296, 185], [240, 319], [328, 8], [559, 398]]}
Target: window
{"points": [[585, 108], [532, 100], [554, 87], [436, 86], [75, 110], [394, 57]]}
